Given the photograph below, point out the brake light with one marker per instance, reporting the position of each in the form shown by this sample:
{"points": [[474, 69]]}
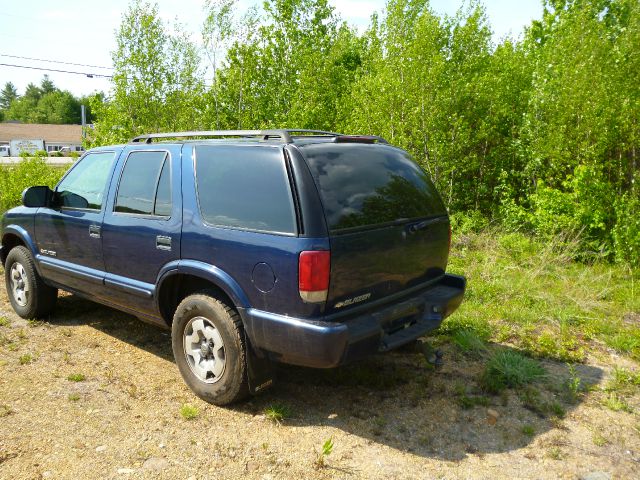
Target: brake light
{"points": [[314, 268]]}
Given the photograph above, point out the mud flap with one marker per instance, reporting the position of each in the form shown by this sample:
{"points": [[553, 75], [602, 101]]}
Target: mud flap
{"points": [[260, 369]]}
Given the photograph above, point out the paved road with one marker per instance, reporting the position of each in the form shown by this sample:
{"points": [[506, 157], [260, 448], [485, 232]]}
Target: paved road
{"points": [[50, 160]]}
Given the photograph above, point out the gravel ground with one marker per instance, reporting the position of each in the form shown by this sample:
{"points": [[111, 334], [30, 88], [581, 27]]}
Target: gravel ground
{"points": [[389, 417]]}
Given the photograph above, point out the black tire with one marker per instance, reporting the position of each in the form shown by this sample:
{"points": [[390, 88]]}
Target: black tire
{"points": [[40, 299], [231, 385]]}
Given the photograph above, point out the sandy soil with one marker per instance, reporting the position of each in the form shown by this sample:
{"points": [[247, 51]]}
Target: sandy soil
{"points": [[389, 417]]}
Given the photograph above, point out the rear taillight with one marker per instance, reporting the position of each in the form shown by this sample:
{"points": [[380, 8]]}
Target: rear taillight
{"points": [[313, 275], [449, 238]]}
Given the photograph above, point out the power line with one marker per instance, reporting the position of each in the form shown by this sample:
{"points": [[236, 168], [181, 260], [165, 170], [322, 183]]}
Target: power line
{"points": [[54, 61], [86, 74]]}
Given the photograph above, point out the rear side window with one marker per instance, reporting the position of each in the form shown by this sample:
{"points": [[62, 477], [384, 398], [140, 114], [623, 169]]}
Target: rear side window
{"points": [[244, 187], [144, 185], [85, 184], [365, 185]]}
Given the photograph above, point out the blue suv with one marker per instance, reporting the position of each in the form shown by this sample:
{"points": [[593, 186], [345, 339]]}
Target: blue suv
{"points": [[304, 247]]}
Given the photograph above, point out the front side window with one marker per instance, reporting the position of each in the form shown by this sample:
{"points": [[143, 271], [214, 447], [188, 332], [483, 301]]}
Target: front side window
{"points": [[145, 185], [244, 187], [85, 184]]}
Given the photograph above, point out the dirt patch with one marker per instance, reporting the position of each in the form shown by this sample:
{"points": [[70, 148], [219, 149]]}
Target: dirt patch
{"points": [[389, 417]]}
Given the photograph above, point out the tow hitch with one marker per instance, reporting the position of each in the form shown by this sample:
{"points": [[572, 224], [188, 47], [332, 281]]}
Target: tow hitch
{"points": [[433, 356]]}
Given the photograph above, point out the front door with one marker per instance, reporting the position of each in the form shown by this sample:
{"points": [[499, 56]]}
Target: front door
{"points": [[68, 235]]}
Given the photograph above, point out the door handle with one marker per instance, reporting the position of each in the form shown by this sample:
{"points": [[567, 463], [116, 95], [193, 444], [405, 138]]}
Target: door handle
{"points": [[94, 231], [163, 243]]}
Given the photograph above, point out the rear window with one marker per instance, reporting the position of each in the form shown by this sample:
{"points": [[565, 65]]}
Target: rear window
{"points": [[244, 187], [364, 185]]}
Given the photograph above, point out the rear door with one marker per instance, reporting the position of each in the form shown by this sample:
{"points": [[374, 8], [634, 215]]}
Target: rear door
{"points": [[388, 226], [142, 225]]}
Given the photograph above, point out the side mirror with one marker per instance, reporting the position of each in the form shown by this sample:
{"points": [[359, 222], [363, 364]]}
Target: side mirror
{"points": [[39, 196]]}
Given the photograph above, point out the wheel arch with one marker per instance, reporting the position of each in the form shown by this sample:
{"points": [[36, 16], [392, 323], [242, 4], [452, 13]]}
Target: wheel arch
{"points": [[188, 277], [13, 236]]}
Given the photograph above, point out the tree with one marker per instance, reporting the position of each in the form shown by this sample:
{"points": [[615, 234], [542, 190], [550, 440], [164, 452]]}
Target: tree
{"points": [[156, 82], [8, 94], [47, 86]]}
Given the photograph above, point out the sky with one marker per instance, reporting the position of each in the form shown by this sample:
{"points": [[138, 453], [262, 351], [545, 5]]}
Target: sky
{"points": [[83, 32]]}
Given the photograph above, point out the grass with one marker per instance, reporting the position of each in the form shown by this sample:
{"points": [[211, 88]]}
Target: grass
{"points": [[623, 381], [277, 413], [76, 377], [74, 397], [509, 369], [4, 322], [469, 342], [528, 430], [616, 403], [5, 410], [533, 400], [25, 359], [189, 412], [535, 297]]}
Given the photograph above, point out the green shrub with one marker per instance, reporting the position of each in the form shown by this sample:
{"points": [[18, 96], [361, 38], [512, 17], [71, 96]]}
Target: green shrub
{"points": [[626, 232], [29, 172], [470, 221]]}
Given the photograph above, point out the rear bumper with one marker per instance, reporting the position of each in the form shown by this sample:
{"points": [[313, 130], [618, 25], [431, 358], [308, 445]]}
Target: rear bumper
{"points": [[323, 344]]}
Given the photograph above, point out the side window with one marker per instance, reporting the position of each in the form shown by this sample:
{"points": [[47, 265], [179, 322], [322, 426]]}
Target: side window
{"points": [[145, 186], [244, 187], [85, 184]]}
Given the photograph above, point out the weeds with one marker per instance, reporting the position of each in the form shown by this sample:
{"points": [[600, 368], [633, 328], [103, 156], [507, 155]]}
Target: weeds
{"points": [[4, 322], [528, 430], [73, 397], [623, 381], [5, 410], [535, 297], [25, 359], [599, 440], [325, 451], [468, 342], [532, 400], [574, 385], [616, 403], [189, 412], [76, 377], [277, 413], [509, 369]]}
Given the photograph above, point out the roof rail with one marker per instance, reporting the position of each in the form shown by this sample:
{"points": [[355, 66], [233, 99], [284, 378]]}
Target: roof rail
{"points": [[284, 135]]}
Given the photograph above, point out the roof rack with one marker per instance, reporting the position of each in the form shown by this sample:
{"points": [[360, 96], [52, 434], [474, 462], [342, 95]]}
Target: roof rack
{"points": [[285, 135]]}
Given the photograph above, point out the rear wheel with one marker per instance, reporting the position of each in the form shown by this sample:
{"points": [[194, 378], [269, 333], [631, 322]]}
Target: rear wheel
{"points": [[30, 297], [208, 346]]}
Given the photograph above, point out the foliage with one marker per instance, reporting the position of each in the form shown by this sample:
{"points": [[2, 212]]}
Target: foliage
{"points": [[156, 80], [43, 104], [8, 94], [533, 295], [30, 171], [540, 133]]}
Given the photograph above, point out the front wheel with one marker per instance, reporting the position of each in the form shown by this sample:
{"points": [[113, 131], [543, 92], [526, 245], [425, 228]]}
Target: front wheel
{"points": [[208, 346], [30, 297]]}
